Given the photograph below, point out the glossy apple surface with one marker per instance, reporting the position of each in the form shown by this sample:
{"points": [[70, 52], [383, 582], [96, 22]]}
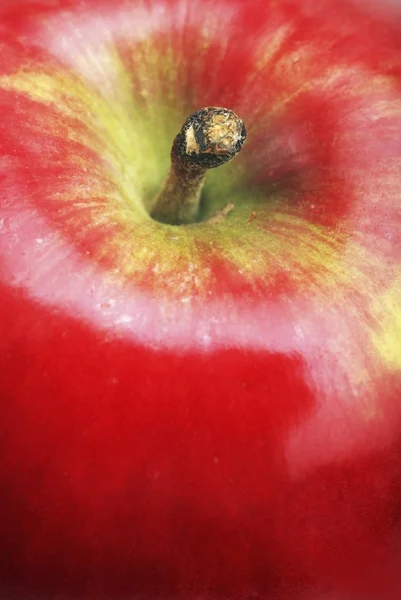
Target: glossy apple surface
{"points": [[201, 411]]}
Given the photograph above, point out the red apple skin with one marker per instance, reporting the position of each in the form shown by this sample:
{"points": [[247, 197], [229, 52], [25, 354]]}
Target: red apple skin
{"points": [[246, 442]]}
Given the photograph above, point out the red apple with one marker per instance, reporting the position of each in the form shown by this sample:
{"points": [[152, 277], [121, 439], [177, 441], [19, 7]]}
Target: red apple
{"points": [[209, 410]]}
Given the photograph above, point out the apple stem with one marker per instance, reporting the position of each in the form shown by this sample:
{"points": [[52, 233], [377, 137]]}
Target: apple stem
{"points": [[210, 137]]}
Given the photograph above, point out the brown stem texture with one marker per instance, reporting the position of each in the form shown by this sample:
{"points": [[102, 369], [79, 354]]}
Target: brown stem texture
{"points": [[210, 137]]}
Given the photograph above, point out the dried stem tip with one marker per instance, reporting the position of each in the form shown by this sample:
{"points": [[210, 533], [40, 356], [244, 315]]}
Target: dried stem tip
{"points": [[210, 137]]}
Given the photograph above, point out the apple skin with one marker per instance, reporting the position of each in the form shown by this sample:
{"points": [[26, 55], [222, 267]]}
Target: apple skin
{"points": [[206, 410]]}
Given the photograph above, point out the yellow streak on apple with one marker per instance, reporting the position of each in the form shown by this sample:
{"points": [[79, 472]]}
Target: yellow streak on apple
{"points": [[270, 45], [387, 338]]}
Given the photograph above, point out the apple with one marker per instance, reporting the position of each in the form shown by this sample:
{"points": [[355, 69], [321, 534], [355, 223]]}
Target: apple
{"points": [[201, 407]]}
